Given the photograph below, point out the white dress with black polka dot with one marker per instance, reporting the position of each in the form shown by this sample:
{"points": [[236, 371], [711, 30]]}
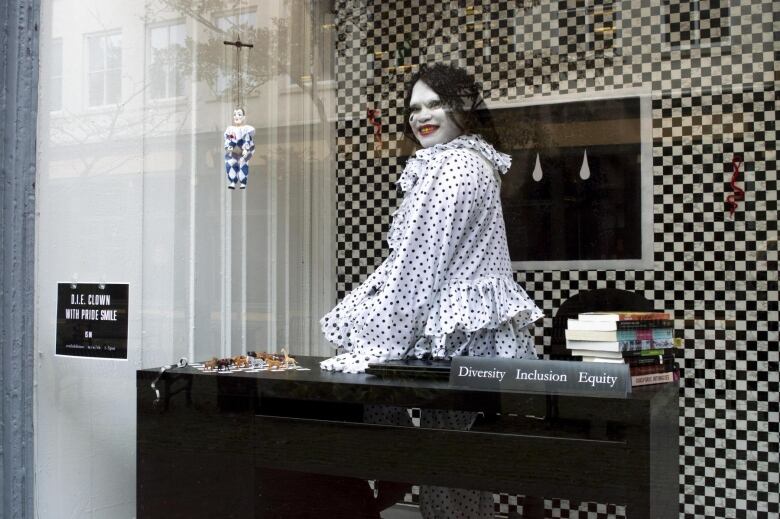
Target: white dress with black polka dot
{"points": [[446, 288]]}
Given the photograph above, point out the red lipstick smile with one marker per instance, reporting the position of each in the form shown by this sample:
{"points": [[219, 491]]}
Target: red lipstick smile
{"points": [[428, 129]]}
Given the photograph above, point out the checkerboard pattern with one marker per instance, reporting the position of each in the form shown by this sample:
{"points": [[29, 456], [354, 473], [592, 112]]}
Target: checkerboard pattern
{"points": [[710, 67]]}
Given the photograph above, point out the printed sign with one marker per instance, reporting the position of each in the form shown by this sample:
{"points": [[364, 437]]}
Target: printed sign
{"points": [[92, 320], [541, 376]]}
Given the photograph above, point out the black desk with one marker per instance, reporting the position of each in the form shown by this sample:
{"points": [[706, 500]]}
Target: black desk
{"points": [[205, 447]]}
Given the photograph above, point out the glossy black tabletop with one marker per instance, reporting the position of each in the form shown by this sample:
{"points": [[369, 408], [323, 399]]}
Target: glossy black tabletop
{"points": [[241, 433]]}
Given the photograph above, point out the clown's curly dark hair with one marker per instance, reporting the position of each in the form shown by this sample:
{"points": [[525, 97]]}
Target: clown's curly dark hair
{"points": [[460, 92]]}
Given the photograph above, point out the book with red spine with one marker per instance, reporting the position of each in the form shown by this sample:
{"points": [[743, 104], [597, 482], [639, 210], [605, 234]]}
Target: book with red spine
{"points": [[655, 368], [578, 324], [655, 378], [620, 315]]}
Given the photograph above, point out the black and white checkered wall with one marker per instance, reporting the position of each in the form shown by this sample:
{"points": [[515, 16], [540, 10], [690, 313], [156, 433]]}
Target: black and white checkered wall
{"points": [[710, 65]]}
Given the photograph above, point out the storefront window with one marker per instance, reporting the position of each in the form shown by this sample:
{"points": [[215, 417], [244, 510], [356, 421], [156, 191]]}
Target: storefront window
{"points": [[641, 137]]}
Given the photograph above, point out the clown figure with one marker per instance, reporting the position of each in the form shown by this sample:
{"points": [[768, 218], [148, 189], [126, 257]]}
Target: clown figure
{"points": [[239, 148]]}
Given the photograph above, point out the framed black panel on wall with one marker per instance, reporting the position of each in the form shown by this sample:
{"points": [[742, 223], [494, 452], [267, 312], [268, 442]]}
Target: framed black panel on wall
{"points": [[579, 194]]}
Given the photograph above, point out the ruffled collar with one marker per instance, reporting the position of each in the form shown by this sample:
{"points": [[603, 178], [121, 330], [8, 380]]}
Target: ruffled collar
{"points": [[417, 162]]}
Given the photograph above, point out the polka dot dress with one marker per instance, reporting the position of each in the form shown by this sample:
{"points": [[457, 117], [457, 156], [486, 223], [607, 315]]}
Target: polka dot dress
{"points": [[446, 288]]}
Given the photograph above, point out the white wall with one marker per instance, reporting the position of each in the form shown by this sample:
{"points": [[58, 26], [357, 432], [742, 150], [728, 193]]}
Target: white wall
{"points": [[135, 193]]}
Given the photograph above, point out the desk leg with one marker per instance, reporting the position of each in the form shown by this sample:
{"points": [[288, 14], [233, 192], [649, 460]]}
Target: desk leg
{"points": [[533, 507]]}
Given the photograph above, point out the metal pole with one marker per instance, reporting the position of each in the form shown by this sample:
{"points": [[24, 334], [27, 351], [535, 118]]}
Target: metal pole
{"points": [[19, 22]]}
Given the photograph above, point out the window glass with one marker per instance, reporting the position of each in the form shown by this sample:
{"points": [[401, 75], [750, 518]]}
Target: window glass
{"points": [[232, 25], [167, 50], [642, 137], [104, 58], [55, 99]]}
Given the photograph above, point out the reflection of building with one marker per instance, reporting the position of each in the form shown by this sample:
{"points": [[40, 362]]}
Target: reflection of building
{"points": [[132, 176], [133, 102]]}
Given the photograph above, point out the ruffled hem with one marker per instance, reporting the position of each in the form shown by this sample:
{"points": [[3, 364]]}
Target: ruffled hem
{"points": [[462, 305], [337, 332], [509, 340], [337, 323], [351, 362], [485, 303]]}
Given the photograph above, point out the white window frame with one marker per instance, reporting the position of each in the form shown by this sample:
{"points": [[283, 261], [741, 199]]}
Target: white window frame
{"points": [[169, 71], [105, 70]]}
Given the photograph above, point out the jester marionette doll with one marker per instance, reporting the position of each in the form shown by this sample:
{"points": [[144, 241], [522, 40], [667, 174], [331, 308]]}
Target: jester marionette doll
{"points": [[239, 148]]}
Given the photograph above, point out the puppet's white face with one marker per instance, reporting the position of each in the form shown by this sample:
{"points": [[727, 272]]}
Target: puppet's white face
{"points": [[238, 117], [430, 119]]}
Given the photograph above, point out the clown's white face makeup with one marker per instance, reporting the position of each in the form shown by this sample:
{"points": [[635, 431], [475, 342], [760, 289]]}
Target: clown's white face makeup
{"points": [[238, 117], [430, 119]]}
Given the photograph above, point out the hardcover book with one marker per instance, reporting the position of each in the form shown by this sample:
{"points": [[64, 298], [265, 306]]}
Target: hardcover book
{"points": [[597, 353], [655, 378], [653, 351], [639, 334], [647, 370], [603, 359], [577, 324], [623, 346], [623, 316], [649, 360]]}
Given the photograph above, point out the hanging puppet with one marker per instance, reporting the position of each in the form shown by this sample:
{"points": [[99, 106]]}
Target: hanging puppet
{"points": [[239, 148], [240, 137]]}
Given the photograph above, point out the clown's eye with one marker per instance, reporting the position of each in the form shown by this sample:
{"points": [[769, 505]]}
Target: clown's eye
{"points": [[433, 105]]}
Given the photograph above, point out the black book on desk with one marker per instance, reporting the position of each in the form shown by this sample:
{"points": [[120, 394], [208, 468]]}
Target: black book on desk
{"points": [[411, 368]]}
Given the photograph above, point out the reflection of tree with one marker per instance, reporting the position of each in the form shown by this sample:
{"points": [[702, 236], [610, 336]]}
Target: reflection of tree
{"points": [[206, 60], [277, 50], [198, 10], [97, 136], [266, 60]]}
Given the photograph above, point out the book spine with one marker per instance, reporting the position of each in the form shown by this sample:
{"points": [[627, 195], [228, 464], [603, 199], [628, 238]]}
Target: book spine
{"points": [[644, 334], [627, 348], [598, 353], [653, 352], [645, 323], [624, 316], [631, 346], [640, 334], [648, 370], [655, 378], [648, 360], [602, 326], [608, 360]]}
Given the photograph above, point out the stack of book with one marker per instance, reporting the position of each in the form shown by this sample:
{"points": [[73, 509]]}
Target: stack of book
{"points": [[643, 340]]}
